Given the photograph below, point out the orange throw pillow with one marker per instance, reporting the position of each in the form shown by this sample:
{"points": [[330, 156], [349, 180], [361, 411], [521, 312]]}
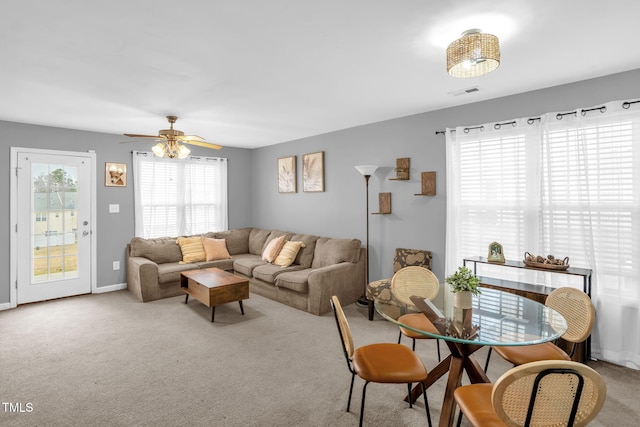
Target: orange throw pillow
{"points": [[215, 249], [273, 249]]}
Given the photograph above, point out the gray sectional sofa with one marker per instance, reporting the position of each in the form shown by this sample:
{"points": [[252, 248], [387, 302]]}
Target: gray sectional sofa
{"points": [[323, 267]]}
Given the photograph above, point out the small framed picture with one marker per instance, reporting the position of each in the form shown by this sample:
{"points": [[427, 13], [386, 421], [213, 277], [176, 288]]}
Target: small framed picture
{"points": [[496, 253], [287, 182], [313, 172], [115, 174]]}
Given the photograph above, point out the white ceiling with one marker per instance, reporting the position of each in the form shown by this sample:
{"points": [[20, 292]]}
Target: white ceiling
{"points": [[251, 73]]}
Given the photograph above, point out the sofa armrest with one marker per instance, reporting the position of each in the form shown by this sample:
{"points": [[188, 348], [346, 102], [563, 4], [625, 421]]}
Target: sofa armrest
{"points": [[345, 280], [142, 277]]}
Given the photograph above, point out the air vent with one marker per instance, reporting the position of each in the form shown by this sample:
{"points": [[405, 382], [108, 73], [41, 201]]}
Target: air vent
{"points": [[464, 91]]}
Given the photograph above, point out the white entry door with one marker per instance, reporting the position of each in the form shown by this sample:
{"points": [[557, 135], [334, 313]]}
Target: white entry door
{"points": [[53, 229]]}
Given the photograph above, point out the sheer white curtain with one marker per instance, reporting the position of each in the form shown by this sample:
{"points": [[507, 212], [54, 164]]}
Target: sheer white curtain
{"points": [[565, 184], [179, 197]]}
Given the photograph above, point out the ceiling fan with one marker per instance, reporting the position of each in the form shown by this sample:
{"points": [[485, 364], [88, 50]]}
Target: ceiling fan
{"points": [[170, 139]]}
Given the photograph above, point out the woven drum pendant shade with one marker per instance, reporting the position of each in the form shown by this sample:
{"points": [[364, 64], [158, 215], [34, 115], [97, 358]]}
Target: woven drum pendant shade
{"points": [[474, 54]]}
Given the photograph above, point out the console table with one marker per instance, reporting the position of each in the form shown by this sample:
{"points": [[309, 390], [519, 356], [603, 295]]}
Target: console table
{"points": [[532, 291]]}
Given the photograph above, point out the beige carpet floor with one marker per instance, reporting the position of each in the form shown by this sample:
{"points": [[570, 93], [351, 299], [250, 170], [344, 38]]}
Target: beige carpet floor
{"points": [[108, 360]]}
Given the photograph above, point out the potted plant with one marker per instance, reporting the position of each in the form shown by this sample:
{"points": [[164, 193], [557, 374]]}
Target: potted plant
{"points": [[464, 284]]}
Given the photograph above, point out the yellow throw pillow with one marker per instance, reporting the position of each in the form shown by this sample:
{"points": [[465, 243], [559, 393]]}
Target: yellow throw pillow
{"points": [[273, 249], [192, 249], [215, 249], [288, 254]]}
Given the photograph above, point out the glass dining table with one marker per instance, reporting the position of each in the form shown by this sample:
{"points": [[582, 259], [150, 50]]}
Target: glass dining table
{"points": [[495, 318]]}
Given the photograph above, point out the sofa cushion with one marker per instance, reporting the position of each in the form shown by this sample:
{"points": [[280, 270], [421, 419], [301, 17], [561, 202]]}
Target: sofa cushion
{"points": [[288, 254], [215, 249], [269, 272], [192, 249], [159, 250], [257, 240], [334, 251], [272, 249], [237, 240], [170, 271], [222, 264], [305, 256], [245, 264], [294, 280]]}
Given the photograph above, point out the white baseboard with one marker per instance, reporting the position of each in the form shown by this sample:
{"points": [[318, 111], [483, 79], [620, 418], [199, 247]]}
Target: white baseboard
{"points": [[110, 288], [99, 290]]}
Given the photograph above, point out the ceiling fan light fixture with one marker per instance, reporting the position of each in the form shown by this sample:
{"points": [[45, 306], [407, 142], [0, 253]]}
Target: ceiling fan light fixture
{"points": [[160, 149], [183, 151], [472, 55]]}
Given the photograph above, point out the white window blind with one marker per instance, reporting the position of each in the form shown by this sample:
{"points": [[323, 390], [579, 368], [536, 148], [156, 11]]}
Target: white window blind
{"points": [[562, 184], [588, 178], [179, 197]]}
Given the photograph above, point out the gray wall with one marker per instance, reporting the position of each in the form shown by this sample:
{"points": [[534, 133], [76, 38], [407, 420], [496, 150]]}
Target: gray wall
{"points": [[415, 222], [113, 231]]}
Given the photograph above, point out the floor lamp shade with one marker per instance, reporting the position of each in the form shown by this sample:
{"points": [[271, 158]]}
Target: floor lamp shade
{"points": [[366, 171]]}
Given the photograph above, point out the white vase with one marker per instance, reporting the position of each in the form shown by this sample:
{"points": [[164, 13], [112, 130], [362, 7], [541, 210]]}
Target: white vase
{"points": [[462, 299]]}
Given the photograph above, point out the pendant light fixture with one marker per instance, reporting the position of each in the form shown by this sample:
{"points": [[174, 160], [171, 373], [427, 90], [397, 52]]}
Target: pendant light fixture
{"points": [[472, 55]]}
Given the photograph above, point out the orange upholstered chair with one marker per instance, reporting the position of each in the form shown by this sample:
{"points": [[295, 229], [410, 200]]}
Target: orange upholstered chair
{"points": [[410, 281], [537, 394], [576, 307], [379, 363]]}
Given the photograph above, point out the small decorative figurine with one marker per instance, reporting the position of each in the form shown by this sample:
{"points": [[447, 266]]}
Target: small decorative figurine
{"points": [[495, 253]]}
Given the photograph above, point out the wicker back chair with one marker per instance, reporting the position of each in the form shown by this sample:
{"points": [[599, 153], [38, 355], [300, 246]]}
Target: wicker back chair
{"points": [[576, 307], [380, 290], [410, 281], [545, 393]]}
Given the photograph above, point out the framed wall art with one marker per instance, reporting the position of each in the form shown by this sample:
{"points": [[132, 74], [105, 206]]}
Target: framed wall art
{"points": [[115, 174], [313, 172], [287, 182]]}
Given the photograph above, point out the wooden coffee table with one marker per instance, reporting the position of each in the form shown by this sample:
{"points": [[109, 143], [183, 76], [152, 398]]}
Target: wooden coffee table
{"points": [[213, 286]]}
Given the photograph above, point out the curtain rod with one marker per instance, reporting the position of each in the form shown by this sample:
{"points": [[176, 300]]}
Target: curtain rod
{"points": [[559, 116]]}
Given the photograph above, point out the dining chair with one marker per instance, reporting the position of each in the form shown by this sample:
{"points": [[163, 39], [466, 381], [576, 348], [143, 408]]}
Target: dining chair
{"points": [[380, 290], [419, 281], [576, 307], [379, 363], [544, 393]]}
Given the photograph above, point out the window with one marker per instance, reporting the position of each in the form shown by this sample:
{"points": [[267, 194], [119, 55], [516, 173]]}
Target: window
{"points": [[179, 197], [562, 184]]}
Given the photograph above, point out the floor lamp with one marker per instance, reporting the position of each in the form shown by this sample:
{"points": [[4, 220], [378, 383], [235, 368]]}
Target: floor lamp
{"points": [[366, 171]]}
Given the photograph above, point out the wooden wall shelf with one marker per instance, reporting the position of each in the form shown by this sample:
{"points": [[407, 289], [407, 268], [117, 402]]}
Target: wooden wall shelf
{"points": [[428, 184], [402, 169], [384, 204]]}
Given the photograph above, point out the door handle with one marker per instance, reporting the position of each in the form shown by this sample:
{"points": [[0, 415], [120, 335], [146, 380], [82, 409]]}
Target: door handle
{"points": [[85, 233]]}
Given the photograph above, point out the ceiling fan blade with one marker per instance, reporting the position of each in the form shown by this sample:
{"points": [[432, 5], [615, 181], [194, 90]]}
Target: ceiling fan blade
{"points": [[142, 140], [135, 135], [203, 144], [190, 138]]}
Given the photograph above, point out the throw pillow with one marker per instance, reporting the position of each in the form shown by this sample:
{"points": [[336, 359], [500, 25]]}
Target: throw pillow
{"points": [[273, 248], [288, 254], [215, 249], [191, 248]]}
